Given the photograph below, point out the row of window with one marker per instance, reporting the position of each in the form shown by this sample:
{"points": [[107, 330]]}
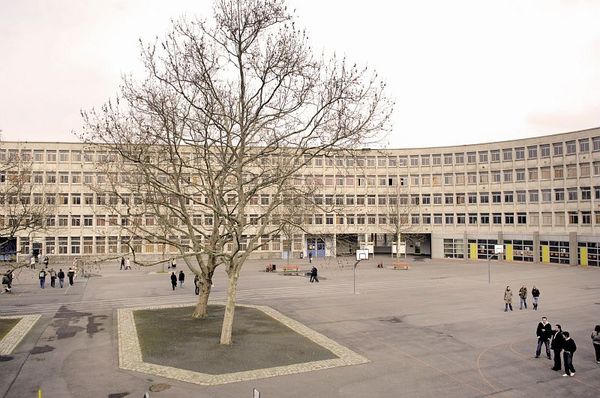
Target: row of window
{"points": [[558, 218], [532, 174], [125, 244], [570, 147], [529, 196]]}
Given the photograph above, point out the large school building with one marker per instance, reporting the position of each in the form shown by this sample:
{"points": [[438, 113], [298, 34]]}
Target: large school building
{"points": [[539, 197]]}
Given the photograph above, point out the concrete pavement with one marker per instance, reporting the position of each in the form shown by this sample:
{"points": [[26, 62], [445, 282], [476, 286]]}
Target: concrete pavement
{"points": [[436, 329]]}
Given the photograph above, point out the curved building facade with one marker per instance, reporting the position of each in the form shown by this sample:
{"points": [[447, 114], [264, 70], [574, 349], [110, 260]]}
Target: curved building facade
{"points": [[538, 197]]}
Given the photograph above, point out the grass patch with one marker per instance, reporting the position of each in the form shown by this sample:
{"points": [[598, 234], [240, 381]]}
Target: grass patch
{"points": [[6, 325], [170, 337]]}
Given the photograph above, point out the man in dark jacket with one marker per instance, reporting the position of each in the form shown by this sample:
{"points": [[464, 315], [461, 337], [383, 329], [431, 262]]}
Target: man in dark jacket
{"points": [[181, 278], [173, 280], [544, 333], [569, 348], [313, 275], [556, 345]]}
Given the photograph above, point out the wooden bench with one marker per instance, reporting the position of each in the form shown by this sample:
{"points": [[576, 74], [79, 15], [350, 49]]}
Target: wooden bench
{"points": [[401, 265], [290, 269]]}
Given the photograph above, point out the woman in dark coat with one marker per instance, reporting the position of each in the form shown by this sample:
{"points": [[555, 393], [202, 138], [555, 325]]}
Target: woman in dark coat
{"points": [[173, 280]]}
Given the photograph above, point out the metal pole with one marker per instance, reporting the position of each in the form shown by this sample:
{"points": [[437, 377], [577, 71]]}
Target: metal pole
{"points": [[489, 270]]}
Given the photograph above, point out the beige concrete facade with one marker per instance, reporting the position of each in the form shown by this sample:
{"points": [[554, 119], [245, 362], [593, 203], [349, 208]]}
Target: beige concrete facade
{"points": [[539, 197]]}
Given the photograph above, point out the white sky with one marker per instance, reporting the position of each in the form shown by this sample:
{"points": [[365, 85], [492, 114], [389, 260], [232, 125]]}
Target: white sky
{"points": [[460, 71]]}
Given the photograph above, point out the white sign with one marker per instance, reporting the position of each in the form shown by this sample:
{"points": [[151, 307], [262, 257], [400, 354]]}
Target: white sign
{"points": [[498, 249], [362, 255]]}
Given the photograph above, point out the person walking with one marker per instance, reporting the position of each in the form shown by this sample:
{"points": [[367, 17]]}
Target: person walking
{"points": [[181, 278], [61, 277], [596, 342], [45, 261], [310, 256], [508, 299], [557, 345], [173, 263], [127, 264], [543, 332], [173, 280], [535, 293], [313, 275], [32, 262], [523, 297], [122, 263], [42, 276], [569, 348], [71, 276], [197, 284], [7, 281], [52, 277]]}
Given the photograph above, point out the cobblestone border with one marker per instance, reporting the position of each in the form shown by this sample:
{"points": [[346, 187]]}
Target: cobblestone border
{"points": [[17, 333], [130, 353]]}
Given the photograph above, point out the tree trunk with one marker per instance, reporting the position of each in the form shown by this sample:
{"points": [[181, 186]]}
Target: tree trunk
{"points": [[201, 307], [227, 328]]}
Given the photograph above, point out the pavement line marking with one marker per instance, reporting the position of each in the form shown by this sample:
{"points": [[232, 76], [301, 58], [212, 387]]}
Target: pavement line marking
{"points": [[485, 379], [446, 373]]}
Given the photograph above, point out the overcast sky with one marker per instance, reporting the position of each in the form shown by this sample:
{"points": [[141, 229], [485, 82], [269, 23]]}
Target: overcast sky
{"points": [[460, 71]]}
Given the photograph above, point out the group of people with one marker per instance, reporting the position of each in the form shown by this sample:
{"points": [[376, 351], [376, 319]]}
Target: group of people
{"points": [[508, 297], [53, 275], [559, 340], [175, 278], [125, 264]]}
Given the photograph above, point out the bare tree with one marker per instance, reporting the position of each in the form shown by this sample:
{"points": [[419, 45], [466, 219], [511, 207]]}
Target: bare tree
{"points": [[230, 111]]}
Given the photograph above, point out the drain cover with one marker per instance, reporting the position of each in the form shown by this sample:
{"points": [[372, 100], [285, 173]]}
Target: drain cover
{"points": [[159, 387]]}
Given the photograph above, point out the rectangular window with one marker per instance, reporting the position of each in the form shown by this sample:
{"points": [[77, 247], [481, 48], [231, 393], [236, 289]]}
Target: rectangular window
{"points": [[448, 158], [534, 196], [522, 218], [483, 156], [507, 154], [546, 195], [558, 148], [460, 218], [545, 150], [571, 147], [533, 174], [496, 197], [497, 218], [559, 194], [508, 197], [545, 173], [508, 175], [532, 152], [471, 158], [586, 193], [484, 197], [449, 219], [519, 153], [572, 194], [520, 175], [521, 197], [584, 145], [495, 155], [509, 218], [559, 172], [459, 158], [596, 144]]}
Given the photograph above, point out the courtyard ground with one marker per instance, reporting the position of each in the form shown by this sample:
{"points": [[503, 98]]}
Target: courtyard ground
{"points": [[438, 329]]}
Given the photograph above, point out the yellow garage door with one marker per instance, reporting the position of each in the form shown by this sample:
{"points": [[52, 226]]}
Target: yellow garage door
{"points": [[509, 252], [473, 251], [545, 254], [583, 254]]}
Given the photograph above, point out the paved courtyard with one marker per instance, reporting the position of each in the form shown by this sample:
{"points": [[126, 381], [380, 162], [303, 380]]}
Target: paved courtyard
{"points": [[438, 329]]}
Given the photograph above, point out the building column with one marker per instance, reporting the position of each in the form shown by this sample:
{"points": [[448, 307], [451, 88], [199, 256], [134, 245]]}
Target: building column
{"points": [[536, 246], [573, 248], [334, 245], [501, 242]]}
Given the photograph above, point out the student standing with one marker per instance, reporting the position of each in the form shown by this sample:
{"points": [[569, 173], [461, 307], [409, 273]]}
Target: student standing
{"points": [[596, 342], [523, 297], [197, 284], [71, 276], [173, 280], [535, 293], [543, 332], [52, 277], [42, 276], [507, 299], [122, 263], [61, 277], [569, 348], [181, 278], [557, 345]]}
